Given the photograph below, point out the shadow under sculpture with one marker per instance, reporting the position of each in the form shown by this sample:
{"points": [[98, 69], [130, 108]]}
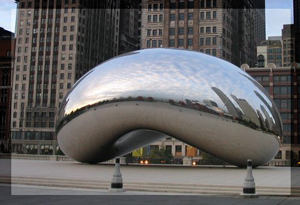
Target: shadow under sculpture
{"points": [[138, 98]]}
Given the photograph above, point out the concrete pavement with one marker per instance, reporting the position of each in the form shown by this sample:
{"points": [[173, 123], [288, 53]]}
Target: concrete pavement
{"points": [[178, 179]]}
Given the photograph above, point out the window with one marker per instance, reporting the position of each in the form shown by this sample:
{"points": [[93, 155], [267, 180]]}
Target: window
{"points": [[171, 42], [154, 43], [160, 32], [159, 43], [148, 32], [201, 41], [201, 29], [214, 29], [190, 16], [178, 148], [148, 43], [180, 42], [149, 18], [207, 29], [181, 31], [207, 51], [160, 18], [208, 15], [282, 90], [190, 31], [154, 32], [202, 15], [214, 52], [191, 4], [214, 40], [154, 18], [172, 31], [207, 41], [155, 7], [181, 16], [190, 42], [214, 14], [172, 17], [201, 3], [149, 7], [172, 6]]}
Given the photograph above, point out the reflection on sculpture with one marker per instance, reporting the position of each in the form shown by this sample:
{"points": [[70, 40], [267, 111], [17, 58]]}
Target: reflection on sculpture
{"points": [[135, 99]]}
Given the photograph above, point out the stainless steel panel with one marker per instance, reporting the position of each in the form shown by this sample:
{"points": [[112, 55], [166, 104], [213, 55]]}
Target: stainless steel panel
{"points": [[137, 98]]}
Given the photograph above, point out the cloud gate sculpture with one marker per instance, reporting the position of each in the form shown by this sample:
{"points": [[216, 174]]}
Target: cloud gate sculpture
{"points": [[138, 98]]}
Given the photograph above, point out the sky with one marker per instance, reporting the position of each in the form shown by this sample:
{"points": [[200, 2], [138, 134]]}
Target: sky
{"points": [[278, 12]]}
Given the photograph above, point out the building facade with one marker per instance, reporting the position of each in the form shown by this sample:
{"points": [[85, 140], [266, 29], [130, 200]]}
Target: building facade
{"points": [[297, 28], [56, 43], [129, 26], [259, 20], [269, 51], [219, 28], [282, 83], [7, 45], [288, 44]]}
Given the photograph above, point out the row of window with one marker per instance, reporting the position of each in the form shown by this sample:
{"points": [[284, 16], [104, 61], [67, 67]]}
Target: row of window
{"points": [[190, 31], [154, 32], [154, 7], [44, 3], [42, 39], [39, 77], [47, 66], [181, 16], [35, 115], [276, 78], [47, 58], [209, 51], [208, 41], [189, 42], [274, 50], [49, 30], [278, 56], [155, 18], [154, 43], [32, 135], [212, 29]]}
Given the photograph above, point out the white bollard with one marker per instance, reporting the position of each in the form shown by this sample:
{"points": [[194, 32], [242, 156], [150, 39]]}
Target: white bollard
{"points": [[249, 184], [117, 181]]}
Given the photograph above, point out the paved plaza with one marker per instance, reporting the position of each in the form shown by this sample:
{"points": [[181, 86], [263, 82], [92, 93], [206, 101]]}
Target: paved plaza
{"points": [[171, 179]]}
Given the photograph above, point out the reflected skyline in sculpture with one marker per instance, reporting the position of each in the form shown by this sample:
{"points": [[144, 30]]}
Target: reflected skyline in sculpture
{"points": [[179, 93]]}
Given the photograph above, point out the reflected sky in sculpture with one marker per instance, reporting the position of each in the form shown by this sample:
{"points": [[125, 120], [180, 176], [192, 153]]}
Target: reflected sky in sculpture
{"points": [[185, 79]]}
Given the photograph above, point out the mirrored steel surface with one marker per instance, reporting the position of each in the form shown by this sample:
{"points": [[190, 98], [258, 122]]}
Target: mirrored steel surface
{"points": [[140, 97]]}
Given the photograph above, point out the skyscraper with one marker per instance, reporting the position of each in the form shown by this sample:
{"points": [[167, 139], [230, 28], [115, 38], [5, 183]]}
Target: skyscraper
{"points": [[220, 28], [297, 28], [7, 45], [259, 16], [57, 42], [288, 44]]}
